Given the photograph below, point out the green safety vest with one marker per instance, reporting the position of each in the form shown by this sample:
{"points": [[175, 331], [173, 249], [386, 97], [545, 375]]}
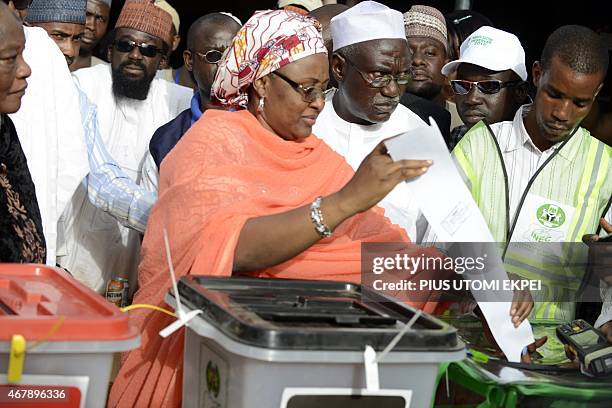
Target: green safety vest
{"points": [[584, 183]]}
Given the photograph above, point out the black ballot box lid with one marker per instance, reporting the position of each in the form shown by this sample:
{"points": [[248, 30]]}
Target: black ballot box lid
{"points": [[311, 315]]}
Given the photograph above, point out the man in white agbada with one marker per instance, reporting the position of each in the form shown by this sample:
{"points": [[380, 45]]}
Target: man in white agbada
{"points": [[372, 68], [60, 144], [51, 132], [131, 106]]}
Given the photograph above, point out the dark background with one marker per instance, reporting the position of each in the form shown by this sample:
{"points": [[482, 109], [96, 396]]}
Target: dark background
{"points": [[531, 21]]}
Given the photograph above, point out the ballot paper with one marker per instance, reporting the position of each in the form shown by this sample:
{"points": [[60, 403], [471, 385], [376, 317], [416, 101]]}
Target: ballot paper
{"points": [[454, 217]]}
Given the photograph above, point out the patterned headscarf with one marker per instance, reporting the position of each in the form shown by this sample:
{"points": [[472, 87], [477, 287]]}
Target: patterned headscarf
{"points": [[270, 40]]}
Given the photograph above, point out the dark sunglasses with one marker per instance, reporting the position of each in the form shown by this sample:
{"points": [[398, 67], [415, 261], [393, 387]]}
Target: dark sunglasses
{"points": [[146, 50], [211, 57], [489, 86], [20, 4], [309, 94]]}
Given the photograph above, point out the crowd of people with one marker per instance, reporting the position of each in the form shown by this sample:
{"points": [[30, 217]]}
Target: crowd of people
{"points": [[263, 155]]}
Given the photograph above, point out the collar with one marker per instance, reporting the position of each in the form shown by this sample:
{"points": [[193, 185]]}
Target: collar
{"points": [[195, 107], [396, 124], [520, 138]]}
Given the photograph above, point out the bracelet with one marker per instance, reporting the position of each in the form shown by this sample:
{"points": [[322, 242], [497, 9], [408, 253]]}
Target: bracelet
{"points": [[316, 216]]}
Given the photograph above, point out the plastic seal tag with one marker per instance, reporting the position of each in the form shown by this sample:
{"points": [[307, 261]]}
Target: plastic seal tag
{"points": [[183, 320], [371, 369], [183, 317], [16, 358]]}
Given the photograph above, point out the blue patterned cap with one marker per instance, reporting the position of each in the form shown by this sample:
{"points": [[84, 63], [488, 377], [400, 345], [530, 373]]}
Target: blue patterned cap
{"points": [[62, 11]]}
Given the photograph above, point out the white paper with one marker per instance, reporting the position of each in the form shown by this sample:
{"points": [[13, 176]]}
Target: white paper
{"points": [[453, 215]]}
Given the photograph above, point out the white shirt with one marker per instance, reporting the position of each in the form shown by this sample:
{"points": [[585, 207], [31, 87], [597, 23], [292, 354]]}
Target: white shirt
{"points": [[355, 142], [522, 159], [50, 131], [150, 174], [97, 247]]}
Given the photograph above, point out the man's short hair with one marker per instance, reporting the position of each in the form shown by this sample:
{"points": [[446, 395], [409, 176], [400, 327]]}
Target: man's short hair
{"points": [[579, 47], [350, 51]]}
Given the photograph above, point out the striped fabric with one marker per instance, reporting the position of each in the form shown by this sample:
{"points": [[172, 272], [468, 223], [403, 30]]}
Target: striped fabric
{"points": [[270, 40], [579, 176], [108, 187]]}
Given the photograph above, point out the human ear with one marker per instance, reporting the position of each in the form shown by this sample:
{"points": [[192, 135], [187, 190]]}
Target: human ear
{"points": [[261, 86], [188, 59], [163, 61], [536, 71], [337, 67], [176, 41]]}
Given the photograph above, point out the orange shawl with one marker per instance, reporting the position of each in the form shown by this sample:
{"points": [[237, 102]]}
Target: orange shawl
{"points": [[227, 169]]}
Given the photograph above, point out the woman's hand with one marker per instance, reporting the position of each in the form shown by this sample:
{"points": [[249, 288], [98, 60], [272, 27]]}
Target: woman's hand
{"points": [[377, 175]]}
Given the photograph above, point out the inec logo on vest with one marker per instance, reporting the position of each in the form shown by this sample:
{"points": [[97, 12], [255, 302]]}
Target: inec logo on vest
{"points": [[550, 215]]}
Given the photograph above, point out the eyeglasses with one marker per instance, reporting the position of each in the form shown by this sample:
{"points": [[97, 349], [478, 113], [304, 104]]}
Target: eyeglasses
{"points": [[489, 86], [382, 81], [210, 57], [146, 50], [20, 4], [309, 94]]}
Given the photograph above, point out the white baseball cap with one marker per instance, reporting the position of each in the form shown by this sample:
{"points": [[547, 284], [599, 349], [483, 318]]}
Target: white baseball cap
{"points": [[492, 49], [365, 21]]}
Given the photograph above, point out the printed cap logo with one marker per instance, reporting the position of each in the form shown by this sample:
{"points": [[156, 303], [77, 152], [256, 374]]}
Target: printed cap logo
{"points": [[481, 40], [550, 215]]}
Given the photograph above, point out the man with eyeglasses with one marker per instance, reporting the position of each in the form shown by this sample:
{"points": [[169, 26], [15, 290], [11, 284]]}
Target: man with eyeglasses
{"points": [[490, 82], [96, 23], [131, 105], [207, 39], [372, 68]]}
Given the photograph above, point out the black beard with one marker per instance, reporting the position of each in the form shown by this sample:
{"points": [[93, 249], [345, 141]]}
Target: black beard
{"points": [[128, 87]]}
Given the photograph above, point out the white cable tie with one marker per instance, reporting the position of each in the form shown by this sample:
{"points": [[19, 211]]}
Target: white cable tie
{"points": [[183, 318], [398, 337], [371, 369]]}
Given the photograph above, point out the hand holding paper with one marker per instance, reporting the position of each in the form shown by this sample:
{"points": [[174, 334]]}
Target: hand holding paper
{"points": [[455, 218]]}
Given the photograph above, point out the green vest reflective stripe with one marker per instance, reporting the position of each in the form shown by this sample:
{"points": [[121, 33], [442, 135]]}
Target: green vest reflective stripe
{"points": [[579, 176]]}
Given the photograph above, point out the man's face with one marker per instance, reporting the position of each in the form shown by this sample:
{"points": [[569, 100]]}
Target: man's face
{"points": [[202, 59], [13, 69], [133, 71], [95, 25], [563, 98], [67, 36], [428, 57], [364, 103], [477, 105]]}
